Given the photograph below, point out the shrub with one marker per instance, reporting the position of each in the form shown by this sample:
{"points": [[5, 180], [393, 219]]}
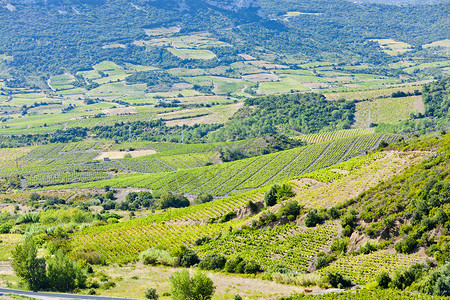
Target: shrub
{"points": [[203, 198], [252, 268], [186, 257], [284, 192], [291, 208], [213, 262], [339, 246], [383, 280], [369, 247], [404, 279], [312, 218], [231, 264], [323, 260], [407, 245], [336, 280], [170, 200], [202, 240], [151, 294], [281, 269], [270, 197], [154, 256]]}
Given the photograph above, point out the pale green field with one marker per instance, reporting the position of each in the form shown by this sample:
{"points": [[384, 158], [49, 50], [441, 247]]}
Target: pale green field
{"points": [[186, 72], [140, 68], [111, 78], [93, 74], [393, 47], [74, 91], [286, 84], [439, 64], [370, 94], [230, 87], [298, 13], [387, 110], [9, 242], [192, 53], [106, 65]]}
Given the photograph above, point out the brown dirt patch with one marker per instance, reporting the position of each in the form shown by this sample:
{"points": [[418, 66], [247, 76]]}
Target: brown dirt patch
{"points": [[121, 154]]}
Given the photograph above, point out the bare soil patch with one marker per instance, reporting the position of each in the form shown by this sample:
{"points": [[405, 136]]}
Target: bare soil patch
{"points": [[121, 154]]}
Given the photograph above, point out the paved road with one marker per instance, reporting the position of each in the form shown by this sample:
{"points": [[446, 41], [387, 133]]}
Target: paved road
{"points": [[58, 295]]}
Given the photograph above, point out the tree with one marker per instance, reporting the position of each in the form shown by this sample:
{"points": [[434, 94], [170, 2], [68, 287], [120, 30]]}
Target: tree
{"points": [[28, 267], [271, 195], [437, 282], [199, 287], [64, 274]]}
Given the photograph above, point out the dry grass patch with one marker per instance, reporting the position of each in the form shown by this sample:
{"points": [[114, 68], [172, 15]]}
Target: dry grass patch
{"points": [[132, 281]]}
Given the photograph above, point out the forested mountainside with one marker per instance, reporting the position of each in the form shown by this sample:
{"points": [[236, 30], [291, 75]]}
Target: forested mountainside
{"points": [[48, 37]]}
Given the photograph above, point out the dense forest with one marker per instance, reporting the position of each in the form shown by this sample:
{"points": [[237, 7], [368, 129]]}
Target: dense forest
{"points": [[49, 39]]}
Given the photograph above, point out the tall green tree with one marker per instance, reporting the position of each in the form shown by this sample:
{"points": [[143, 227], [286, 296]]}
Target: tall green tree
{"points": [[64, 274], [28, 266], [199, 287]]}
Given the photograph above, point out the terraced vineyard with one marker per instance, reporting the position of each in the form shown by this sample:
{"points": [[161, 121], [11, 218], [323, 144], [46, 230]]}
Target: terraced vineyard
{"points": [[289, 245], [334, 135], [247, 174], [43, 179], [125, 241], [364, 268]]}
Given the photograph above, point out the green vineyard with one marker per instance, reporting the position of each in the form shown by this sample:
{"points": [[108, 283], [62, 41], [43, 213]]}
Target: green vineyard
{"points": [[334, 135], [289, 245], [243, 175], [364, 268]]}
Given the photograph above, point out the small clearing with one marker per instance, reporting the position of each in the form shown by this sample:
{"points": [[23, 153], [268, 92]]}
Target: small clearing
{"points": [[442, 43], [247, 57], [162, 31], [393, 47], [121, 154], [114, 45]]}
